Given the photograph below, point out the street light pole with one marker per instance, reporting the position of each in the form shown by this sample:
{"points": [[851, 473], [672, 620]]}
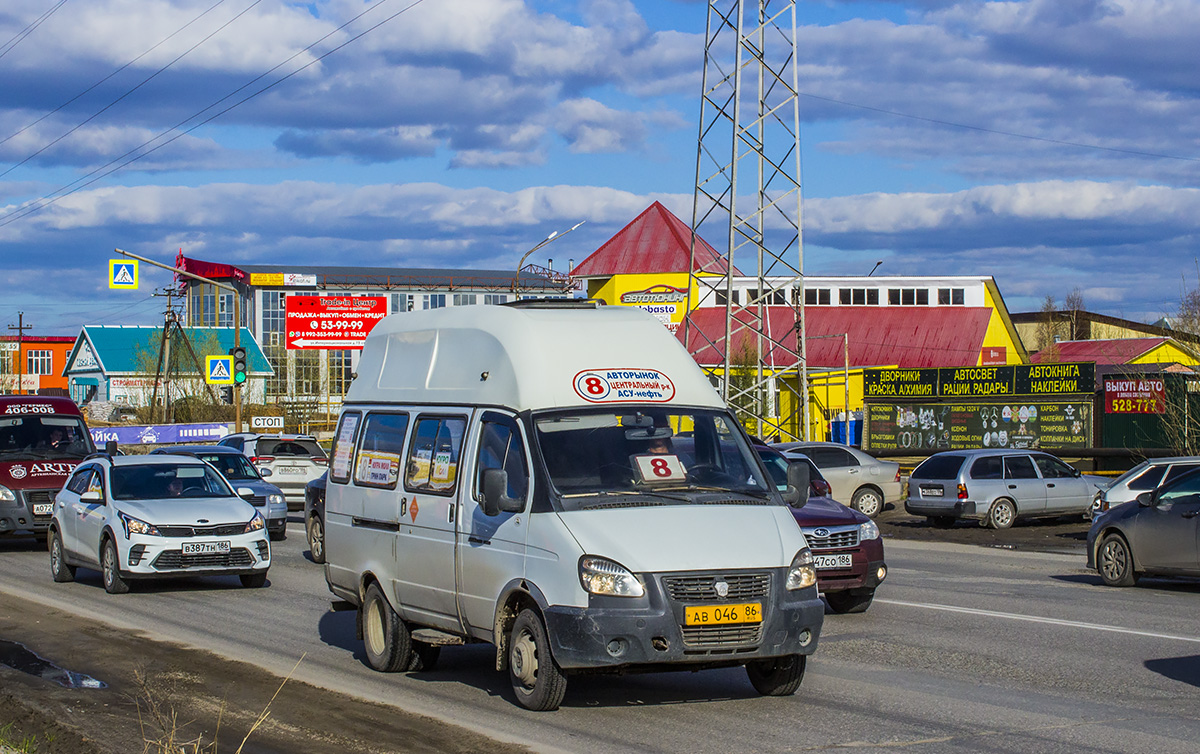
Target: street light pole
{"points": [[237, 321], [554, 236]]}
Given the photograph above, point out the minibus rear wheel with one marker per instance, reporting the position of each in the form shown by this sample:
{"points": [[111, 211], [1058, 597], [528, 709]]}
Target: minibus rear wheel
{"points": [[777, 676], [385, 637], [536, 679]]}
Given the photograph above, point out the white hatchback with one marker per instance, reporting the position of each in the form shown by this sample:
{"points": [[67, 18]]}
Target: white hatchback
{"points": [[138, 517]]}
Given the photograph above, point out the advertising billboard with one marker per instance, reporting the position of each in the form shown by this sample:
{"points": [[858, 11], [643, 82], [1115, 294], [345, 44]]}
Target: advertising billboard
{"points": [[328, 322]]}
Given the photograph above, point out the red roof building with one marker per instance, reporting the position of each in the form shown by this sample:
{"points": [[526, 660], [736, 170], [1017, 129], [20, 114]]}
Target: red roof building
{"points": [[655, 241], [1119, 351]]}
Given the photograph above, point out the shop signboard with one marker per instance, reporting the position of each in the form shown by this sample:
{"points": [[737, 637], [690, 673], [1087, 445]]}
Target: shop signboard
{"points": [[1135, 395], [950, 425], [980, 382], [332, 322]]}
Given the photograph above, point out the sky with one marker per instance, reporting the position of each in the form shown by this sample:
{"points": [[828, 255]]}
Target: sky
{"points": [[1051, 144]]}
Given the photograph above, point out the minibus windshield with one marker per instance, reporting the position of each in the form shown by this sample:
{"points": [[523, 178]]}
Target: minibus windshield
{"points": [[32, 438], [649, 455]]}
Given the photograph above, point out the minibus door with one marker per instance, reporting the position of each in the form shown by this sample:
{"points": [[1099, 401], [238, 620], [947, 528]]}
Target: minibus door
{"points": [[491, 549]]}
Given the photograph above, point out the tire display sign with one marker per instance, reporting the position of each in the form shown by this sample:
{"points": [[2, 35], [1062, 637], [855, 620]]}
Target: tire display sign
{"points": [[1135, 395], [331, 322]]}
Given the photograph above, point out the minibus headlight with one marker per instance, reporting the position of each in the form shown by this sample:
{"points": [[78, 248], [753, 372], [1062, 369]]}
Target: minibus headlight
{"points": [[7, 495], [603, 576], [868, 530], [137, 526], [801, 574], [256, 524]]}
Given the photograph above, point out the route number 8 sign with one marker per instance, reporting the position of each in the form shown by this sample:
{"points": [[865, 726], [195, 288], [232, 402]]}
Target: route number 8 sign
{"points": [[659, 468]]}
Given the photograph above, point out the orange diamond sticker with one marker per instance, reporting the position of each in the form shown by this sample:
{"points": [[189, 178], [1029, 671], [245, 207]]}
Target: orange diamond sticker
{"points": [[412, 510]]}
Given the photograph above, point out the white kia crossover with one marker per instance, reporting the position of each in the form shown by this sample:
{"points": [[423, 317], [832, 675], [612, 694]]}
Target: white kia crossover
{"points": [[140, 517]]}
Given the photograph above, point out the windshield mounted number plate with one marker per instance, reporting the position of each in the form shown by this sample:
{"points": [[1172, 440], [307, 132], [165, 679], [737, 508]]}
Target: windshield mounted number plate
{"points": [[205, 548], [711, 615], [659, 468]]}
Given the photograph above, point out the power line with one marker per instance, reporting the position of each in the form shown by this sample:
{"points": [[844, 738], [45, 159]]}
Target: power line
{"points": [[161, 42], [139, 85], [998, 132], [104, 171], [20, 36]]}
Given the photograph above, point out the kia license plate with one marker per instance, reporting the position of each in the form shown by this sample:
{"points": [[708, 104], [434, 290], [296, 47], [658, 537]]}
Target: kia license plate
{"points": [[841, 560], [205, 548], [709, 615], [43, 509]]}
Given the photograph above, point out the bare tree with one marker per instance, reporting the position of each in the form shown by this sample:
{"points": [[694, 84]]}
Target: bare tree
{"points": [[1187, 318], [1046, 330], [1073, 305]]}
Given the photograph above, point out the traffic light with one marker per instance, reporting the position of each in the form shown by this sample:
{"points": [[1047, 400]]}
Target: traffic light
{"points": [[239, 364], [227, 393]]}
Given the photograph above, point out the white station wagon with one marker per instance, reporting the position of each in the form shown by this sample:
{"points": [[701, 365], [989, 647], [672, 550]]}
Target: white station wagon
{"points": [[137, 517]]}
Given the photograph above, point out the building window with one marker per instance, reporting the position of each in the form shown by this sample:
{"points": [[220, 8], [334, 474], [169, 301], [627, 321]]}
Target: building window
{"points": [[433, 301], [339, 372], [817, 296], [495, 298], [465, 299], [858, 296], [39, 362], [908, 296], [308, 372], [950, 296], [8, 362], [401, 302]]}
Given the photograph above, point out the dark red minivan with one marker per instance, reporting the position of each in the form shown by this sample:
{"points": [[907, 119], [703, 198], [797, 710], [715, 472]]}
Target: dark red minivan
{"points": [[846, 545], [42, 439]]}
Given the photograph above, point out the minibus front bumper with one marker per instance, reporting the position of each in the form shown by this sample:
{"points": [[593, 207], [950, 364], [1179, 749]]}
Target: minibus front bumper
{"points": [[650, 632]]}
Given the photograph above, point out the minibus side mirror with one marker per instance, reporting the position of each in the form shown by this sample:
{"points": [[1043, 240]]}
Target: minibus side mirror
{"points": [[495, 502], [798, 484]]}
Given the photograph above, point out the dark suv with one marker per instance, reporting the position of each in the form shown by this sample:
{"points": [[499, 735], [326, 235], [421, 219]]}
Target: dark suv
{"points": [[846, 545]]}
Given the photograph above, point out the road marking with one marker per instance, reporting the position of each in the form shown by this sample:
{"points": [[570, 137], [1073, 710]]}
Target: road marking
{"points": [[1038, 619]]}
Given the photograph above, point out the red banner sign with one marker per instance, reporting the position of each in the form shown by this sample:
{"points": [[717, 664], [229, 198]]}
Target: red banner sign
{"points": [[1135, 395], [330, 322]]}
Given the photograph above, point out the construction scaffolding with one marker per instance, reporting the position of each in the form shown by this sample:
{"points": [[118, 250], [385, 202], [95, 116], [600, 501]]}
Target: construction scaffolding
{"points": [[749, 141]]}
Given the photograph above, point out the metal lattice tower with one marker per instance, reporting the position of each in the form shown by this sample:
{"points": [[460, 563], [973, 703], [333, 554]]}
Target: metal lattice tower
{"points": [[747, 203]]}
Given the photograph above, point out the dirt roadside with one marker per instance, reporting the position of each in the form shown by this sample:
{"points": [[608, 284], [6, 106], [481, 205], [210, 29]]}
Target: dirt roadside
{"points": [[196, 685], [198, 688]]}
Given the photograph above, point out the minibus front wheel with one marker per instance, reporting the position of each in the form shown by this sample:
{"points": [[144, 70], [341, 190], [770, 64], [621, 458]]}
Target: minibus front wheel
{"points": [[777, 676], [385, 637], [536, 679]]}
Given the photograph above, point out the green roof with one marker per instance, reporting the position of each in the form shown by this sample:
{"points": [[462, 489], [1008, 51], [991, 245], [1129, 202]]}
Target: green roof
{"points": [[116, 346]]}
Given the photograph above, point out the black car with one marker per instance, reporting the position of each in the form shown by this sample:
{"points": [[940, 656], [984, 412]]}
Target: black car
{"points": [[314, 517], [1156, 534]]}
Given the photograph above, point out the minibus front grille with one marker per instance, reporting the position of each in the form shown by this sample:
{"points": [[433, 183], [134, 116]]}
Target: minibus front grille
{"points": [[702, 588], [721, 636]]}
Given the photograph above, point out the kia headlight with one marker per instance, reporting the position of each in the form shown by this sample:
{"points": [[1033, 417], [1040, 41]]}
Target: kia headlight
{"points": [[603, 576], [137, 526], [258, 523], [868, 530], [802, 573], [7, 495], [275, 499]]}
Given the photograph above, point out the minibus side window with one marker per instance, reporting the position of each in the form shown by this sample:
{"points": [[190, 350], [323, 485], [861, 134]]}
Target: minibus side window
{"points": [[500, 447], [380, 451], [342, 457], [433, 455]]}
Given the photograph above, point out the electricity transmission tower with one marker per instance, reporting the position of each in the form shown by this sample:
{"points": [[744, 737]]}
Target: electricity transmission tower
{"points": [[747, 203]]}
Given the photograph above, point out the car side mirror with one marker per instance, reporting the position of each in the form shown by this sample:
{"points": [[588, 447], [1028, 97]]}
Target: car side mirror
{"points": [[91, 496], [495, 501], [1076, 472], [798, 480], [1146, 499], [264, 472], [245, 493]]}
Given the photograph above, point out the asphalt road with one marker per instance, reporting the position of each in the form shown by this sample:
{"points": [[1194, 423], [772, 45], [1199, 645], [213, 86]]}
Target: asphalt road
{"points": [[965, 649]]}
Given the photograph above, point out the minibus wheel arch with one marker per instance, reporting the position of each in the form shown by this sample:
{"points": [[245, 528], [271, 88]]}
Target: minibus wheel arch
{"points": [[518, 595]]}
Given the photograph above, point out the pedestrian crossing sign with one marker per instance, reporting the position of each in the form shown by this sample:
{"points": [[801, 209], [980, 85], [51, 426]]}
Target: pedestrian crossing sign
{"points": [[219, 370], [123, 273]]}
